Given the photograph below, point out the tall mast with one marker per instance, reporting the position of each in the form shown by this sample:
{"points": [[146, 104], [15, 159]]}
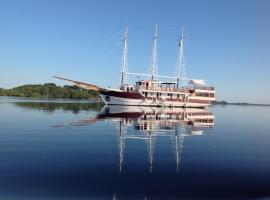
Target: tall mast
{"points": [[124, 60], [154, 63], [180, 61]]}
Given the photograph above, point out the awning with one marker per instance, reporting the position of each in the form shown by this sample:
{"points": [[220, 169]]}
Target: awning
{"points": [[197, 82]]}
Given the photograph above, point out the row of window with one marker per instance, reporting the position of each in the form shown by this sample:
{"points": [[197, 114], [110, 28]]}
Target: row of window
{"points": [[204, 94], [161, 94], [201, 94], [204, 120]]}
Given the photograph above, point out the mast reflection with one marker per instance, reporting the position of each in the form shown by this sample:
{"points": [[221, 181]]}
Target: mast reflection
{"points": [[150, 123]]}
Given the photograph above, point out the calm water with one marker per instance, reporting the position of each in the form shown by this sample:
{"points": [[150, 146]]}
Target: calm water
{"points": [[77, 150]]}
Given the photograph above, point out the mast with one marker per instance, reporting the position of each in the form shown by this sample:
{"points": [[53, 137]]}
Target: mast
{"points": [[124, 61], [154, 63], [180, 61]]}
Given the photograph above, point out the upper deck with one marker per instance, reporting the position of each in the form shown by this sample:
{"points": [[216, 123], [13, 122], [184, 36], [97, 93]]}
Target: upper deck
{"points": [[169, 87]]}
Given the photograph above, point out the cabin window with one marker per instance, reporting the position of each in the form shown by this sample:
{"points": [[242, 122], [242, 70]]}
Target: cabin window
{"points": [[212, 95], [107, 98], [170, 95], [198, 94], [205, 94], [145, 94]]}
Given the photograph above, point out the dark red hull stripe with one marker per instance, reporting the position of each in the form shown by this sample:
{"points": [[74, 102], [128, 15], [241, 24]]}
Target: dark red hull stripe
{"points": [[121, 115], [120, 94], [136, 115]]}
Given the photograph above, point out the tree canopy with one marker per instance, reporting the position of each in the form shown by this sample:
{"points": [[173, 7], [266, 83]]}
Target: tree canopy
{"points": [[50, 91]]}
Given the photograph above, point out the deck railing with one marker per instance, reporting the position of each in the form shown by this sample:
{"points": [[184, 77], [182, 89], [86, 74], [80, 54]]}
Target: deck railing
{"points": [[186, 89], [204, 88]]}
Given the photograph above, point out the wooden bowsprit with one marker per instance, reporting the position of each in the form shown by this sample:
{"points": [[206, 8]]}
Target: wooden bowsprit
{"points": [[80, 84]]}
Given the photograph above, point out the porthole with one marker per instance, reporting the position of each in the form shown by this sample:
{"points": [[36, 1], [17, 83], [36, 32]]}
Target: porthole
{"points": [[107, 98]]}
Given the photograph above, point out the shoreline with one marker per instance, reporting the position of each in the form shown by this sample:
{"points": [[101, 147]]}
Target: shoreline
{"points": [[238, 104]]}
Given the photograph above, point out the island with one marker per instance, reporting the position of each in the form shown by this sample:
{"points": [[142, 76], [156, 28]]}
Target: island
{"points": [[50, 91]]}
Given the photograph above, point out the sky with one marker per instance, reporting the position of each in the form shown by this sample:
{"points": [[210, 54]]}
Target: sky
{"points": [[226, 43]]}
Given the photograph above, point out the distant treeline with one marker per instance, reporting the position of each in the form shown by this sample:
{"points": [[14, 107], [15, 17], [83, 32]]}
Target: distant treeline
{"points": [[239, 104], [50, 91]]}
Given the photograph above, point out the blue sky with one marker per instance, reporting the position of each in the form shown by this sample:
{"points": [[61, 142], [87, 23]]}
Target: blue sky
{"points": [[227, 42]]}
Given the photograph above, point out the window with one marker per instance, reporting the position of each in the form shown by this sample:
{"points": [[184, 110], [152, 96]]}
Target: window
{"points": [[205, 94], [198, 94], [212, 94], [107, 98]]}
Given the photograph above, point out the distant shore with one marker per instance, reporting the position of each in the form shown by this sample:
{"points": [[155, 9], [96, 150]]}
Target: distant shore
{"points": [[50, 91], [238, 104]]}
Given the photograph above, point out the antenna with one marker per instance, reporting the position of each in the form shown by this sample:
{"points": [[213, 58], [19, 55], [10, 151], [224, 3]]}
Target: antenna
{"points": [[180, 61], [154, 63], [124, 61]]}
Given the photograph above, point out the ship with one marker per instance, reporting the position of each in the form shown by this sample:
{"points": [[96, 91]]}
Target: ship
{"points": [[155, 90]]}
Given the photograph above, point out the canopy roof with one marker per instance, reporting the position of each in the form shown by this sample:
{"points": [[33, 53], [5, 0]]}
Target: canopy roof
{"points": [[197, 82]]}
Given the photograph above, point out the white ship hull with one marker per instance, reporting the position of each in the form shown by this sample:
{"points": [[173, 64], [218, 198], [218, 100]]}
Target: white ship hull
{"points": [[146, 102]]}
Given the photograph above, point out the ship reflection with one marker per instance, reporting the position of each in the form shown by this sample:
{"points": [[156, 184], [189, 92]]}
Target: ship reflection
{"points": [[148, 123]]}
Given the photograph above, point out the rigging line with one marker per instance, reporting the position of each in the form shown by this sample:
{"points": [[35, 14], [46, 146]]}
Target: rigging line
{"points": [[151, 27], [107, 43], [109, 53], [116, 34], [140, 27], [187, 38]]}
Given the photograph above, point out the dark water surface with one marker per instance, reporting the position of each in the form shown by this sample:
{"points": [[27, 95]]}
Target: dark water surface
{"points": [[78, 150]]}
